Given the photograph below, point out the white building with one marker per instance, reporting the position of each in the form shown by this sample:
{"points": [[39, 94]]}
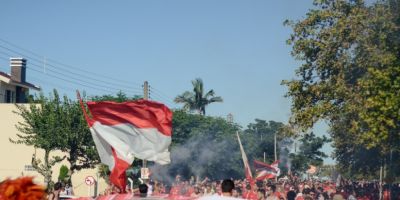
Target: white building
{"points": [[13, 87]]}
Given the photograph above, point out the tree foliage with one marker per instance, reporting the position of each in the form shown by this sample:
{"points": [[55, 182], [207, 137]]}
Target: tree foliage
{"points": [[119, 97], [77, 140], [349, 76], [259, 139], [63, 176], [41, 129], [309, 152], [51, 125], [197, 100]]}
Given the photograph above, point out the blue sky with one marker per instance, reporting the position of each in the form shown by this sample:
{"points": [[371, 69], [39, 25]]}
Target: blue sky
{"points": [[237, 47]]}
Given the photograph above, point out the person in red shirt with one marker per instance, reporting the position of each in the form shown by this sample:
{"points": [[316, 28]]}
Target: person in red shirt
{"points": [[251, 192]]}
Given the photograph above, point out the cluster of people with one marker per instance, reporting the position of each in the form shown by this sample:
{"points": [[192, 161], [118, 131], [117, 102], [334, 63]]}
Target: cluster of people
{"points": [[284, 189]]}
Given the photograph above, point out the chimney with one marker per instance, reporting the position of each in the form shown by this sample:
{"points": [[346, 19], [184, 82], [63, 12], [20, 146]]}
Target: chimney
{"points": [[18, 69]]}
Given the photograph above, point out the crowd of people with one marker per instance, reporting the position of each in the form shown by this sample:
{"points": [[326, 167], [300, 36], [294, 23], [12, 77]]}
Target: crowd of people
{"points": [[283, 189]]}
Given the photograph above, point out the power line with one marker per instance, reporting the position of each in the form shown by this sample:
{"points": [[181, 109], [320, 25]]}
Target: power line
{"points": [[52, 60], [71, 77], [76, 83], [161, 93], [91, 81], [156, 96], [64, 69]]}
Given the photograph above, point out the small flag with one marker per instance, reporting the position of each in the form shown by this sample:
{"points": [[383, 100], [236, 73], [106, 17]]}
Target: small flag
{"points": [[265, 171]]}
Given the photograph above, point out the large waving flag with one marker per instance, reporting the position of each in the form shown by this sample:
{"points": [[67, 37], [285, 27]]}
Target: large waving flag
{"points": [[123, 131], [247, 169], [265, 171]]}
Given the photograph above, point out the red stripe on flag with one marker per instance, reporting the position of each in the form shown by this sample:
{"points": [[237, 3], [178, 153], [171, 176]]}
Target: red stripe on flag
{"points": [[141, 113], [117, 176], [259, 164]]}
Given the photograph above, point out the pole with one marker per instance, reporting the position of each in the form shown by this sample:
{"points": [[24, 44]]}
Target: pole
{"points": [[276, 157], [264, 156], [380, 182], [145, 97], [97, 185], [146, 90]]}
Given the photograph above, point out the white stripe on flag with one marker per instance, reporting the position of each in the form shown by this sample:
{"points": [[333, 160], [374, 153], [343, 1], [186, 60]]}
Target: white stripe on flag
{"points": [[130, 142]]}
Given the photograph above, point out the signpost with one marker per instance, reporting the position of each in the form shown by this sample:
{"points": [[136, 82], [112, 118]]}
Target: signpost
{"points": [[89, 181], [144, 173]]}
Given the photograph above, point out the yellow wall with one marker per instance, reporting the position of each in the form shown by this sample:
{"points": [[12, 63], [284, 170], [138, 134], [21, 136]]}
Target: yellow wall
{"points": [[14, 157]]}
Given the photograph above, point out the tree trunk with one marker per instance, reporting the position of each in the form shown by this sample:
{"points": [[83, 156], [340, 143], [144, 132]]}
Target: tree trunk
{"points": [[47, 170]]}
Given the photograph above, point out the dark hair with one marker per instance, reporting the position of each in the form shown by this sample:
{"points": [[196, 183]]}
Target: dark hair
{"points": [[291, 195], [57, 186], [273, 188], [143, 190], [306, 191], [227, 185]]}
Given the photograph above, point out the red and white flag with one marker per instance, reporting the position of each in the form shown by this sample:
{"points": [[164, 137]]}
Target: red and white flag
{"points": [[123, 131], [265, 171], [247, 169]]}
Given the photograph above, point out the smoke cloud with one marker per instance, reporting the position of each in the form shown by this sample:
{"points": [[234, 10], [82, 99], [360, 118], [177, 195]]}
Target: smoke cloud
{"points": [[200, 156]]}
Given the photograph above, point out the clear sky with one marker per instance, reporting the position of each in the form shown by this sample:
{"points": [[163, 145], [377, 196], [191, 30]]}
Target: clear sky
{"points": [[238, 48]]}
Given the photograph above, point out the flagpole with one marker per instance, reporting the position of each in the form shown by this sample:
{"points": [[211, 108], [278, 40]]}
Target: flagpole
{"points": [[276, 157], [145, 97], [247, 169]]}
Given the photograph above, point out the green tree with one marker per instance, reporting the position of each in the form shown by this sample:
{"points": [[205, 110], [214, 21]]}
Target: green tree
{"points": [[349, 74], [309, 152], [197, 100], [77, 140], [63, 175], [41, 129], [259, 139], [119, 97], [51, 125]]}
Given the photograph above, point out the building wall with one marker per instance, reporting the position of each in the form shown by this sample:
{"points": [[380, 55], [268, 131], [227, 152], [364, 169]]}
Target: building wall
{"points": [[3, 88], [14, 157], [1, 92]]}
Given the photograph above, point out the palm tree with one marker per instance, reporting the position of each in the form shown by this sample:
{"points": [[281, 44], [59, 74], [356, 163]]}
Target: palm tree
{"points": [[195, 100]]}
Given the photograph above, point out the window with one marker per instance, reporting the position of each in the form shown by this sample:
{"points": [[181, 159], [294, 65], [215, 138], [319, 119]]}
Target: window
{"points": [[13, 97], [7, 98]]}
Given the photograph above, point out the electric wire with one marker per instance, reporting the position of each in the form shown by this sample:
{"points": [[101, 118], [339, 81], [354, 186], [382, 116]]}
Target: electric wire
{"points": [[77, 81], [46, 65], [66, 80], [69, 66]]}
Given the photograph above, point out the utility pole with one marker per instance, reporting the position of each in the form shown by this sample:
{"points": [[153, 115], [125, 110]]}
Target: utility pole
{"points": [[229, 118], [145, 97], [146, 90], [276, 157]]}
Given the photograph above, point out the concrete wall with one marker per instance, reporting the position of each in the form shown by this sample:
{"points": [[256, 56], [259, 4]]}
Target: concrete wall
{"points": [[14, 157]]}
